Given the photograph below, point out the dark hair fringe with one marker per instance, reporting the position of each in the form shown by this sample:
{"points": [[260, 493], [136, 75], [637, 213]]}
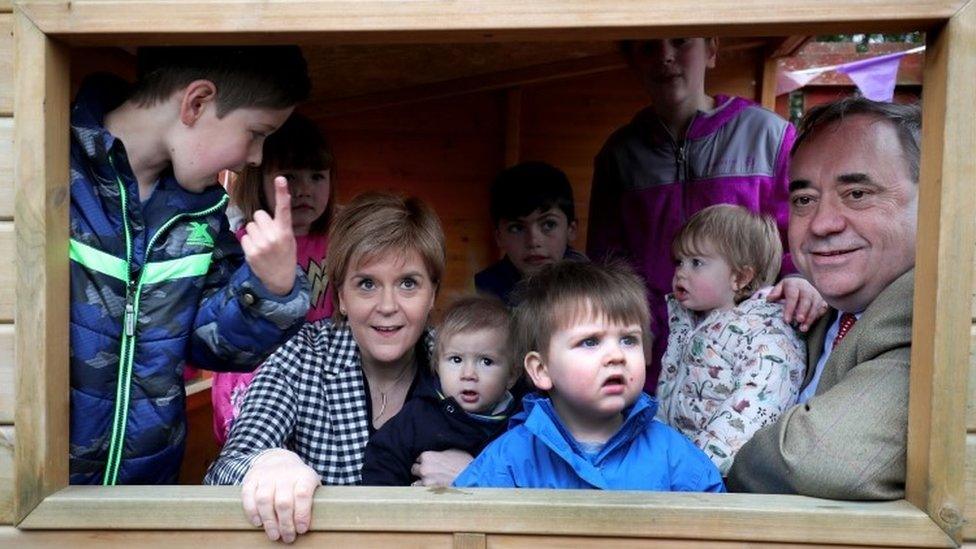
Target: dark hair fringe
{"points": [[530, 186]]}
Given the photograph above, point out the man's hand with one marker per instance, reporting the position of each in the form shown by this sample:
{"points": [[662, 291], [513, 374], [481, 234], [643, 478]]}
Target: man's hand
{"points": [[802, 302], [439, 468], [277, 494], [269, 244]]}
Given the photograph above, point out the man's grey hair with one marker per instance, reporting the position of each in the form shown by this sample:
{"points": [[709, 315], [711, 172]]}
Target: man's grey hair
{"points": [[906, 119]]}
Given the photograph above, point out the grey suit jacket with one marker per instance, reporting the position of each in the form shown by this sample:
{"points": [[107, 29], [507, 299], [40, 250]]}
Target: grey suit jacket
{"points": [[848, 441]]}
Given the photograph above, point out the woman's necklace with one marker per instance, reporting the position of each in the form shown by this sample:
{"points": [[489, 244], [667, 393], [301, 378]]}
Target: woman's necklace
{"points": [[383, 399]]}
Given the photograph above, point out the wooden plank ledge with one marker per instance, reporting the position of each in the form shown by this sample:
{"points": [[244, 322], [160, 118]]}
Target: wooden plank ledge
{"points": [[497, 511], [472, 19]]}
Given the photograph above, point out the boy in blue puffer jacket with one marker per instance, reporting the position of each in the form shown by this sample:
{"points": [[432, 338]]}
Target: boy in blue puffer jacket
{"points": [[156, 276], [582, 329]]}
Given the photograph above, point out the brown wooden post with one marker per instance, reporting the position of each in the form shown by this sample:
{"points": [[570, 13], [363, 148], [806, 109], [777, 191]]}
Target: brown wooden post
{"points": [[41, 211], [944, 275]]}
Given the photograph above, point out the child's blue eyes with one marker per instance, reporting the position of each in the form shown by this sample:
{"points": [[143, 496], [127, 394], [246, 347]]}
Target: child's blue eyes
{"points": [[626, 341], [457, 360], [694, 262]]}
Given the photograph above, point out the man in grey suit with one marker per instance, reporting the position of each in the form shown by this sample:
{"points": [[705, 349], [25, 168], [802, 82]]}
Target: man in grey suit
{"points": [[853, 201]]}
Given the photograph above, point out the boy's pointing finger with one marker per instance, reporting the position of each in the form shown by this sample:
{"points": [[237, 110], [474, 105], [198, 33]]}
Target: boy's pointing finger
{"points": [[282, 203]]}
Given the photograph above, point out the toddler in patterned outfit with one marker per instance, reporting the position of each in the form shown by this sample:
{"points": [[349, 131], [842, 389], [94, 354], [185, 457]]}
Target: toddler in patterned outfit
{"points": [[732, 364]]}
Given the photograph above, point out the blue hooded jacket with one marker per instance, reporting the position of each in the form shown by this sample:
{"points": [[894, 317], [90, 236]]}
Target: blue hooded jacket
{"points": [[538, 452], [152, 285]]}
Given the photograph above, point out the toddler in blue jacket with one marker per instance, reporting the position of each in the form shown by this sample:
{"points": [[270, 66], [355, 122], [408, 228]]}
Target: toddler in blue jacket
{"points": [[582, 330]]}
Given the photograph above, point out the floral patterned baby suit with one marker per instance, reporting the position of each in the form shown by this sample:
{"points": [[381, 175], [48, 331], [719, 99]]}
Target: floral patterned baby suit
{"points": [[729, 373]]}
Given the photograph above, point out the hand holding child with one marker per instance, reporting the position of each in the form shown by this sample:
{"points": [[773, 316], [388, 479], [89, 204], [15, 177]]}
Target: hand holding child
{"points": [[277, 493], [269, 243], [803, 303], [439, 468]]}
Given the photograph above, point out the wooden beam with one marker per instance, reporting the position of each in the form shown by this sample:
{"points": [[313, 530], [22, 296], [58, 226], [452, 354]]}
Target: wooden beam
{"points": [[6, 167], [474, 84], [6, 64], [767, 82], [8, 377], [100, 539], [787, 46], [105, 21], [6, 474], [971, 400], [969, 532], [944, 261], [41, 206], [678, 515]]}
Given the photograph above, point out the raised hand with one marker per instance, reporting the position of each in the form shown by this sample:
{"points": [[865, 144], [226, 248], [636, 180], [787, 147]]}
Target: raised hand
{"points": [[269, 243]]}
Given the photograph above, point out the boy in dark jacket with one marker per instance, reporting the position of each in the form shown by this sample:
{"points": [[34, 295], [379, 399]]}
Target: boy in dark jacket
{"points": [[534, 216], [582, 330], [156, 276], [471, 407]]}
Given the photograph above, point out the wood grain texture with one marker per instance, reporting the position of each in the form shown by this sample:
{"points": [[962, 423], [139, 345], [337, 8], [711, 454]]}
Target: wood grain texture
{"points": [[498, 511], [944, 261], [6, 474], [6, 64], [971, 401], [8, 375], [471, 20], [6, 166], [578, 542], [8, 272], [469, 541], [969, 532], [100, 539], [41, 232]]}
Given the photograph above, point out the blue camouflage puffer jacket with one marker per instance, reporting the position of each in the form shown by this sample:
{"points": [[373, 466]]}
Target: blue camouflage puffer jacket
{"points": [[153, 284]]}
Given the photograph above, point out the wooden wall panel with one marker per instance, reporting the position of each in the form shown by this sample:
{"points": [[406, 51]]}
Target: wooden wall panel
{"points": [[6, 62], [971, 401], [445, 152], [7, 272], [969, 531], [6, 474], [7, 374], [6, 167]]}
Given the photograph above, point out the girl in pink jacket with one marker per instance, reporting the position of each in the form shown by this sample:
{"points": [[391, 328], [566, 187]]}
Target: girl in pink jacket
{"points": [[300, 153]]}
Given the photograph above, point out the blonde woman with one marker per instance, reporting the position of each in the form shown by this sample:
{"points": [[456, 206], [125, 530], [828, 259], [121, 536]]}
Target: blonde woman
{"points": [[311, 410]]}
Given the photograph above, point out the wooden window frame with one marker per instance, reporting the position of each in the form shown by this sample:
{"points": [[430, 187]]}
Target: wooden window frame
{"points": [[931, 514]]}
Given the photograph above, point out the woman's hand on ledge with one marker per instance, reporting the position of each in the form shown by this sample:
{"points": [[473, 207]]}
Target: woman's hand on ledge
{"points": [[277, 494], [439, 468]]}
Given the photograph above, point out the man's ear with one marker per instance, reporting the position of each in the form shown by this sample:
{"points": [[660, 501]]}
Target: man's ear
{"points": [[197, 96], [538, 372], [711, 47]]}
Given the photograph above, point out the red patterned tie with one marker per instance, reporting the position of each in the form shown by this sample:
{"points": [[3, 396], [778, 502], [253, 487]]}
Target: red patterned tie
{"points": [[847, 321]]}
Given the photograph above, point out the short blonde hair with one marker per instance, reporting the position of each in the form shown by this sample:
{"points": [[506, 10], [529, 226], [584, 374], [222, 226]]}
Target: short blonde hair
{"points": [[568, 292], [377, 223], [473, 314], [745, 240]]}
